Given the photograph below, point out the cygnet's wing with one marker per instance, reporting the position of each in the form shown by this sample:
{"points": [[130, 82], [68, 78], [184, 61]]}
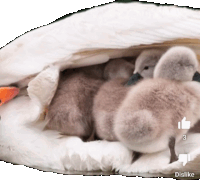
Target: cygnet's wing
{"points": [[94, 36]]}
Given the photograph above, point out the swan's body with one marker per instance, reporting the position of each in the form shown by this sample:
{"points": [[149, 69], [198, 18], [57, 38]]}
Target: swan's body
{"points": [[63, 43], [22, 140]]}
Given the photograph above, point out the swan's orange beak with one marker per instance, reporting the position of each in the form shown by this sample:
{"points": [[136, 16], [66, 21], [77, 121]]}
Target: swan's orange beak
{"points": [[7, 93]]}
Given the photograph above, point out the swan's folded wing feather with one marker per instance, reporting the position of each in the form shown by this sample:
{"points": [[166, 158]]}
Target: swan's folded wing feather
{"points": [[111, 26], [125, 25]]}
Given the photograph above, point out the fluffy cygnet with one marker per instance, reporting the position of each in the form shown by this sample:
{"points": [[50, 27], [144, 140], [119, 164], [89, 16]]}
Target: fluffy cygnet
{"points": [[118, 68], [94, 71], [109, 97], [147, 120], [144, 65], [146, 62], [106, 103], [145, 117], [178, 63], [70, 111]]}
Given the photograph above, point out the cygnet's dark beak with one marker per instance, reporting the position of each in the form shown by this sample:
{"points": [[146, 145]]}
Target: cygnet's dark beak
{"points": [[134, 79], [196, 77]]}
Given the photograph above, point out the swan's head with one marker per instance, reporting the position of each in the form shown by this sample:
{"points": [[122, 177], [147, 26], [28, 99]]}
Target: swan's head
{"points": [[178, 63], [146, 62], [118, 68]]}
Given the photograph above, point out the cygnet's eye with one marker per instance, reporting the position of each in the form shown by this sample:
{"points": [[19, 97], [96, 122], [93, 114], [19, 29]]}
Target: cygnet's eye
{"points": [[146, 67]]}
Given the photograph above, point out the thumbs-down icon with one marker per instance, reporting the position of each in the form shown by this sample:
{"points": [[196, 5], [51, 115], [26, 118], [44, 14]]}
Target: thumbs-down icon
{"points": [[184, 124], [185, 158]]}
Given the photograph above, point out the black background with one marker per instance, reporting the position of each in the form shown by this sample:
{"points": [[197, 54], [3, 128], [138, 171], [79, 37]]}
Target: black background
{"points": [[17, 19]]}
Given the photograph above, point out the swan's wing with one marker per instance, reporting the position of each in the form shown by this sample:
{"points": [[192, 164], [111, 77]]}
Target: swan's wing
{"points": [[124, 25], [42, 88], [98, 31]]}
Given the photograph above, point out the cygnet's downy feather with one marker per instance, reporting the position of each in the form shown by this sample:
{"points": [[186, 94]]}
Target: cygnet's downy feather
{"points": [[118, 68], [178, 63], [70, 111], [109, 97], [145, 117], [149, 115], [147, 120]]}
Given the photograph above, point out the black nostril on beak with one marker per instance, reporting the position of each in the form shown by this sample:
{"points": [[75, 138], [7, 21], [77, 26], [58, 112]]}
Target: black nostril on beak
{"points": [[196, 77], [134, 79]]}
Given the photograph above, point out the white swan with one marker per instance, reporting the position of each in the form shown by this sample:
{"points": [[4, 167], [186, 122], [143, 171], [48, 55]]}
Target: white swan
{"points": [[84, 39]]}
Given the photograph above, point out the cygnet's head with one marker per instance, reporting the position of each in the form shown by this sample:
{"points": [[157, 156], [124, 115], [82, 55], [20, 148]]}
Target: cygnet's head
{"points": [[146, 62], [178, 63], [118, 68]]}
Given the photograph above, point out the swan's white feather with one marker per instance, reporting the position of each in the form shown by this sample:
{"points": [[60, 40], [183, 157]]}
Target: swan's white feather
{"points": [[111, 26]]}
